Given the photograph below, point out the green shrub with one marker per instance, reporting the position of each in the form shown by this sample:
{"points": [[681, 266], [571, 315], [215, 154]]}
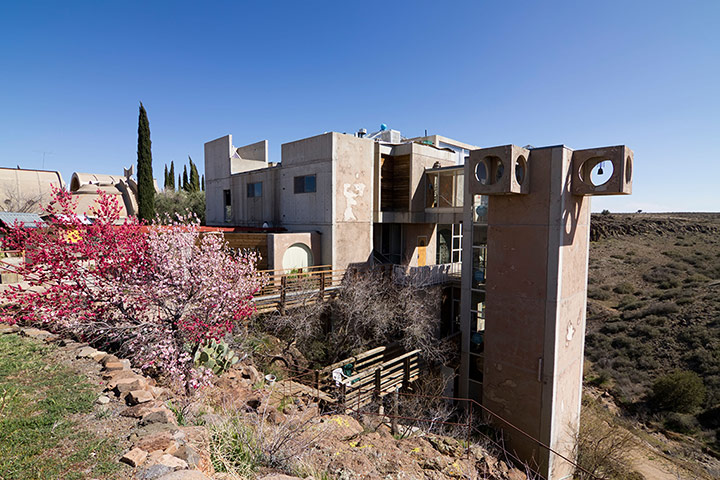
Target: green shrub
{"points": [[681, 423], [624, 288], [681, 391], [599, 293]]}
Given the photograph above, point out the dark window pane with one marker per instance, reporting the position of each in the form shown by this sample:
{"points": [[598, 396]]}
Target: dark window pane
{"points": [[310, 183], [299, 184]]}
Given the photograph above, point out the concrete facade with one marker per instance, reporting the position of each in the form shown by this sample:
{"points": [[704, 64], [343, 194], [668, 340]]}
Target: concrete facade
{"points": [[26, 191], [345, 207]]}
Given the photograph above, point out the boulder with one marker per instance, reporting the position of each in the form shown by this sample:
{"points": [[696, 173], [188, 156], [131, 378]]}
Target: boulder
{"points": [[185, 475], [158, 415], [136, 397], [85, 352], [157, 441], [134, 457], [153, 472], [172, 462]]}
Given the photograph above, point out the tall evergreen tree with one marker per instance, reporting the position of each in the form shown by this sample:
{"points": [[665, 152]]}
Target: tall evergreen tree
{"points": [[166, 183], [179, 185], [185, 179], [194, 177], [202, 183], [171, 175], [146, 187]]}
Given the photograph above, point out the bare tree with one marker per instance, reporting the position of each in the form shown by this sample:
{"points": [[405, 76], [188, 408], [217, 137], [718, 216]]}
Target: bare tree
{"points": [[14, 200], [368, 310]]}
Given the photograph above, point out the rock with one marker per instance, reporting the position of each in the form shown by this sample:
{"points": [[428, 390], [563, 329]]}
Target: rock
{"points": [[160, 393], [139, 396], [85, 352], [103, 400], [134, 457], [172, 462], [137, 411], [158, 415], [516, 474], [118, 374], [5, 328], [108, 359], [249, 372], [125, 363], [38, 334], [278, 476], [173, 448], [127, 385], [275, 416], [153, 472], [158, 441], [185, 475], [253, 402], [115, 366], [98, 356], [341, 426], [194, 435], [190, 455]]}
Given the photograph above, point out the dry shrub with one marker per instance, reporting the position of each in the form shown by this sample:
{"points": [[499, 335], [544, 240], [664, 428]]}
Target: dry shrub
{"points": [[602, 446]]}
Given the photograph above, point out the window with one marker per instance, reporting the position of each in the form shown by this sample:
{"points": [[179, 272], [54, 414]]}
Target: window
{"points": [[305, 184], [254, 189], [227, 199]]}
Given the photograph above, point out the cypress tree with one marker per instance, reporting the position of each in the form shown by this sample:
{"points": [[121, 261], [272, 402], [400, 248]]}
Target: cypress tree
{"points": [[179, 185], [146, 187], [202, 183], [171, 175], [185, 179], [166, 183], [194, 177]]}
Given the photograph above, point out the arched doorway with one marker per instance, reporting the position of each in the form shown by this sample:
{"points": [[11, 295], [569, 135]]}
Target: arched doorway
{"points": [[297, 256]]}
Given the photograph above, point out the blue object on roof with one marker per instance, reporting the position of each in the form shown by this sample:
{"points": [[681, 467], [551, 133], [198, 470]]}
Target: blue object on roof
{"points": [[383, 127], [29, 220]]}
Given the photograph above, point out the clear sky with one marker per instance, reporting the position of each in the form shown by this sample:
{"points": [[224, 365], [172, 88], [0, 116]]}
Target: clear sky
{"points": [[585, 74]]}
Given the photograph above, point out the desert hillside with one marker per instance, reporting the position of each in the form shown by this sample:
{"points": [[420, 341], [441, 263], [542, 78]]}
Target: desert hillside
{"points": [[653, 338]]}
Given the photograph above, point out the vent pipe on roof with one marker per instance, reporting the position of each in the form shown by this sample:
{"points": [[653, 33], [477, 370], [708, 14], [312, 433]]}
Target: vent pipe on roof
{"points": [[362, 132]]}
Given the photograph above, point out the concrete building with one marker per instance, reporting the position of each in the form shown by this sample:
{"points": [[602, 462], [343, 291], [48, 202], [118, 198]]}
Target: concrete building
{"points": [[366, 199], [513, 221], [26, 191]]}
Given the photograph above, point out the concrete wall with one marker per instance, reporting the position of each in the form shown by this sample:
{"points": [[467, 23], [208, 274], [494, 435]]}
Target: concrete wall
{"points": [[535, 310], [278, 243], [254, 211], [217, 178], [26, 190], [250, 157], [411, 232], [352, 199]]}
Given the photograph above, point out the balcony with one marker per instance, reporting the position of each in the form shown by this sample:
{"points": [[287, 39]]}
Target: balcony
{"points": [[427, 275]]}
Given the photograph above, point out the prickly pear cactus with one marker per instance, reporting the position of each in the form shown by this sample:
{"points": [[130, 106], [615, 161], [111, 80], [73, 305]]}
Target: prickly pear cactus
{"points": [[215, 356]]}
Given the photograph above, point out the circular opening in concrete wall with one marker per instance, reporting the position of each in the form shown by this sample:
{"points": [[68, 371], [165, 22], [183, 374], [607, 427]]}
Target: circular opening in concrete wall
{"points": [[520, 169], [596, 171], [297, 256], [481, 172], [628, 169]]}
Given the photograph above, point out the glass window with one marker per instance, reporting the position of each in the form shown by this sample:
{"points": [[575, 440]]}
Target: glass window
{"points": [[305, 184], [227, 200], [254, 189], [479, 257], [480, 209], [477, 363]]}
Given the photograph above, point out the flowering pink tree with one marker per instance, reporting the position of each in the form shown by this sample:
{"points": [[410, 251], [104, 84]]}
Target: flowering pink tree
{"points": [[151, 293]]}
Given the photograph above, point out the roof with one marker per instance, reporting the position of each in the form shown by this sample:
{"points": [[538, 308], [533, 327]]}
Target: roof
{"points": [[29, 220]]}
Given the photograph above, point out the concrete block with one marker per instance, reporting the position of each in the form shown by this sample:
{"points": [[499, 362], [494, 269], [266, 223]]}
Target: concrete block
{"points": [[616, 163], [500, 170]]}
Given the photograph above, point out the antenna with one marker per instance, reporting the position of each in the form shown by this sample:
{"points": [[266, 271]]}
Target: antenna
{"points": [[44, 152]]}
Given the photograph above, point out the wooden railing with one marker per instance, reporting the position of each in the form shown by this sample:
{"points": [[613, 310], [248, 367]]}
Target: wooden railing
{"points": [[293, 287]]}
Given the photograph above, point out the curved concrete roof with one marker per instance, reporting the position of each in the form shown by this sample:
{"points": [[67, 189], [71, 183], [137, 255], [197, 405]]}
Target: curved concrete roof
{"points": [[26, 190], [80, 179]]}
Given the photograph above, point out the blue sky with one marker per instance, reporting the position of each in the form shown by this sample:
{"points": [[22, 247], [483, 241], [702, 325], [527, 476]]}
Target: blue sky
{"points": [[585, 74]]}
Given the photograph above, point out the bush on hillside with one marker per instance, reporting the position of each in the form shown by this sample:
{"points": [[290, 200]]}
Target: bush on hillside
{"points": [[681, 391]]}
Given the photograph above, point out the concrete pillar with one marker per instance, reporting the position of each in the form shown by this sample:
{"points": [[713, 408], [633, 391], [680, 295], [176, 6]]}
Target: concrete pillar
{"points": [[537, 261]]}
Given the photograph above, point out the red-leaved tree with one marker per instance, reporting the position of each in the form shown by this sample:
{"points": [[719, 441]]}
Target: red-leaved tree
{"points": [[151, 293]]}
